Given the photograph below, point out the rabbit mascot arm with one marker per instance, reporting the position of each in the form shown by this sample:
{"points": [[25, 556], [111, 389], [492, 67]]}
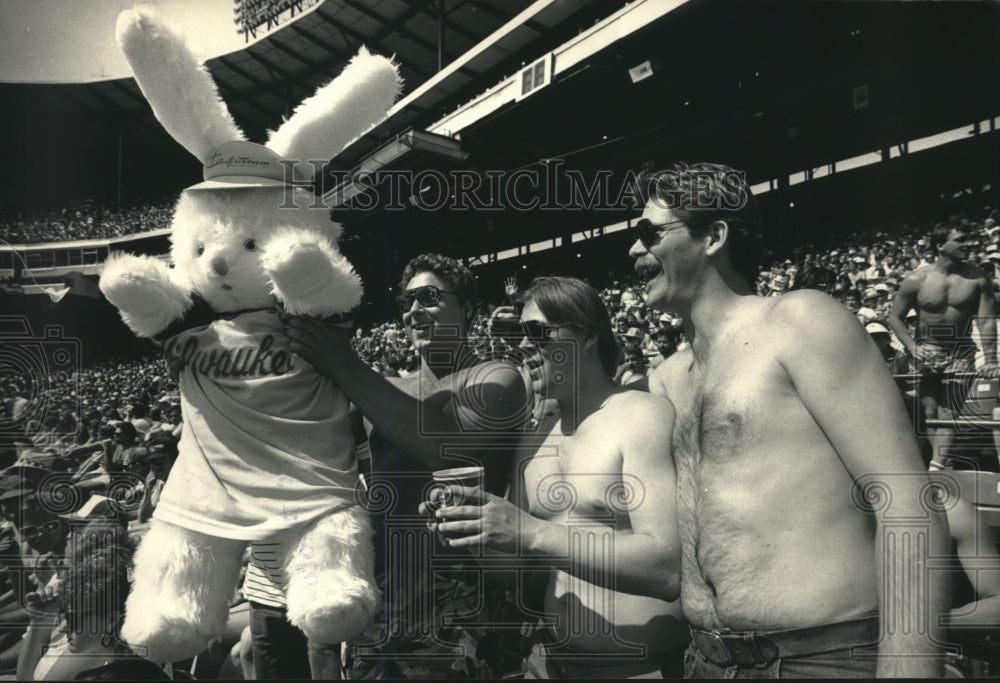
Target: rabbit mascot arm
{"points": [[267, 452]]}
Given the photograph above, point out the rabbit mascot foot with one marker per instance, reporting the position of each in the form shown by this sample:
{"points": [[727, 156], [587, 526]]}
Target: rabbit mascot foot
{"points": [[267, 453], [184, 580]]}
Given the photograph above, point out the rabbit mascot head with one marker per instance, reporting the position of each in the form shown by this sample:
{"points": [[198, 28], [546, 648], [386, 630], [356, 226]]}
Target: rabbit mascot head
{"points": [[267, 454]]}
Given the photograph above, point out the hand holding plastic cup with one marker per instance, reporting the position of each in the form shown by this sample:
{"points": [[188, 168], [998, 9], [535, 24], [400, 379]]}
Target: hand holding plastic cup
{"points": [[471, 477]]}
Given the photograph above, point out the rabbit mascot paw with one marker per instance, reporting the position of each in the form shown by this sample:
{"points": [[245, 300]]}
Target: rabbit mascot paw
{"points": [[267, 453]]}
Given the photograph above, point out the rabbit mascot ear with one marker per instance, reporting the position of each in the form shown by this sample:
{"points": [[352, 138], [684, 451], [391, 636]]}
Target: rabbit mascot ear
{"points": [[319, 129], [185, 100], [339, 112], [214, 502], [175, 83]]}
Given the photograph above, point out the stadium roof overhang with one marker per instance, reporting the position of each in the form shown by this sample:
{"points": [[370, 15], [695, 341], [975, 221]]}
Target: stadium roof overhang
{"points": [[264, 82], [770, 87], [110, 120]]}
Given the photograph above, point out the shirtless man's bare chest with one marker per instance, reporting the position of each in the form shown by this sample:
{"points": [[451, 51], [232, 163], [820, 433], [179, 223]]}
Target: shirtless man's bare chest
{"points": [[577, 479], [754, 472], [947, 303]]}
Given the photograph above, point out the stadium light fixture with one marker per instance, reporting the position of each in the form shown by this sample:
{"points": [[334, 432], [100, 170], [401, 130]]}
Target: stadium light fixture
{"points": [[642, 71]]}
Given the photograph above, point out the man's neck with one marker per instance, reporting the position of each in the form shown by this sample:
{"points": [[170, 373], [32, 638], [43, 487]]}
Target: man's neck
{"points": [[589, 394], [947, 264], [716, 304]]}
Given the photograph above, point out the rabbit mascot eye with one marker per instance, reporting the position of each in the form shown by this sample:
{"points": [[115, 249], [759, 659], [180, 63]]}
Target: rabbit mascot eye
{"points": [[267, 453]]}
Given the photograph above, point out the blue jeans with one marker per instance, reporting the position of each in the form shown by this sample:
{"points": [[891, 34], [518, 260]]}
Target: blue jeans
{"points": [[570, 663], [281, 651], [836, 664]]}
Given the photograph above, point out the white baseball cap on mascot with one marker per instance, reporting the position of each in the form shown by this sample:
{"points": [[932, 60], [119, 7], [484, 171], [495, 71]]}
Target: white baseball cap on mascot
{"points": [[246, 164]]}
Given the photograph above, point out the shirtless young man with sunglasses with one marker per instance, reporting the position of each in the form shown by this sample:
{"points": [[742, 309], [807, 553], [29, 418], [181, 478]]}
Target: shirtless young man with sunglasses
{"points": [[802, 502], [453, 411], [592, 506]]}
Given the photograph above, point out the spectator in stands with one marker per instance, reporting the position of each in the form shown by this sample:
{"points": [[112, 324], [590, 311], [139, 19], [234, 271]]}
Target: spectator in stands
{"points": [[161, 452], [816, 277], [897, 363], [633, 338], [42, 536], [139, 417], [869, 300], [38, 533], [666, 339], [605, 437], [614, 293], [629, 299], [855, 273], [109, 412], [451, 398], [947, 296], [779, 282], [852, 300], [84, 221], [124, 437], [634, 368], [783, 404], [90, 606]]}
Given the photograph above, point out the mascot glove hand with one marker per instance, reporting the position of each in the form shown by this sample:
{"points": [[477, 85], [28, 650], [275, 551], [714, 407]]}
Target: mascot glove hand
{"points": [[143, 290], [309, 274]]}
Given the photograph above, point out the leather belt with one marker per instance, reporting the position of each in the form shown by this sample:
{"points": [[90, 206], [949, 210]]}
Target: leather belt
{"points": [[760, 648]]}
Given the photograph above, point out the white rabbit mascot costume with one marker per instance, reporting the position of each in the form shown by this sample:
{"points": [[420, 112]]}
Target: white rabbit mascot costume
{"points": [[267, 451]]}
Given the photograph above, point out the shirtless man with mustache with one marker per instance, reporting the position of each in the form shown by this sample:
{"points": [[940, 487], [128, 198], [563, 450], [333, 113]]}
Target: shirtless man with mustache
{"points": [[803, 527]]}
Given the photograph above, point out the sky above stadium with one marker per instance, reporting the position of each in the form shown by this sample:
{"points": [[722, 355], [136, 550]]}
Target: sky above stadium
{"points": [[64, 41]]}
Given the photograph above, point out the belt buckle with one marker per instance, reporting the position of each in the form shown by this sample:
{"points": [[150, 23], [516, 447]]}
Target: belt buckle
{"points": [[713, 646], [739, 649]]}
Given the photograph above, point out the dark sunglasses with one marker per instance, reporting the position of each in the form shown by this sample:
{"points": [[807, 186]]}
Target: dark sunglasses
{"points": [[30, 532], [427, 295], [649, 232], [539, 334]]}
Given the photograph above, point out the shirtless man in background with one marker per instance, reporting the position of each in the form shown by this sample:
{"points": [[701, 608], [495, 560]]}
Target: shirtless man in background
{"points": [[787, 424], [593, 503], [947, 295]]}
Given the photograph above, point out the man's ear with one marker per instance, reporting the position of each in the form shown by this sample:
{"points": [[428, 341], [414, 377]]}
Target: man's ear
{"points": [[718, 236]]}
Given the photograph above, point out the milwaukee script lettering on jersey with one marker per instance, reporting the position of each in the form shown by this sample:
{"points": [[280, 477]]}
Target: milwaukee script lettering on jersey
{"points": [[222, 362]]}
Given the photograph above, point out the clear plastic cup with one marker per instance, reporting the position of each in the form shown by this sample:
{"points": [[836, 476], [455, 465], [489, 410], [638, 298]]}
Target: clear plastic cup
{"points": [[471, 477]]}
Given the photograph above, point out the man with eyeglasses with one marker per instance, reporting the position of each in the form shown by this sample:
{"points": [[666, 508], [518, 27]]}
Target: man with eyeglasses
{"points": [[593, 507], [789, 444], [452, 411], [947, 296]]}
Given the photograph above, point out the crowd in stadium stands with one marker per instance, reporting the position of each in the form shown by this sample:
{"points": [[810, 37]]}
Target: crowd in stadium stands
{"points": [[112, 428], [86, 221]]}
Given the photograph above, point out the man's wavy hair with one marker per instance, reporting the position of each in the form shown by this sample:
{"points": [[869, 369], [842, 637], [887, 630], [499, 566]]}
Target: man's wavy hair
{"points": [[457, 276], [570, 301], [700, 194], [816, 277], [96, 583], [940, 235]]}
